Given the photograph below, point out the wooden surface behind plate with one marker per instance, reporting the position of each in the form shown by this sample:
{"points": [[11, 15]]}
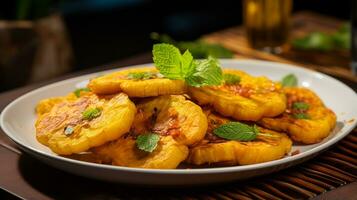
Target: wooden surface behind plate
{"points": [[335, 63]]}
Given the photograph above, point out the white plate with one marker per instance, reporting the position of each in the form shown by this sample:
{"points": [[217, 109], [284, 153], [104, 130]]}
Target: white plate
{"points": [[17, 120]]}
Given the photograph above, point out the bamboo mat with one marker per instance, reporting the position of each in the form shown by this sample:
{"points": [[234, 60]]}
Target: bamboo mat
{"points": [[333, 168], [336, 63]]}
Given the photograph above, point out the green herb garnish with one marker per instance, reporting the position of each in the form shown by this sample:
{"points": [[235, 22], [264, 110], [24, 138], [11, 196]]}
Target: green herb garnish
{"points": [[301, 116], [68, 130], [237, 131], [141, 75], [301, 105], [174, 65], [78, 91], [91, 113], [147, 142], [207, 72], [169, 61], [289, 80], [231, 79]]}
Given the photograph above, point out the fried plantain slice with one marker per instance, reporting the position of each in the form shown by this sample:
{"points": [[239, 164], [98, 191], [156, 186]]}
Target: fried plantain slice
{"points": [[178, 122], [45, 105], [249, 99], [149, 83], [171, 115], [74, 126], [309, 124], [215, 150], [123, 152]]}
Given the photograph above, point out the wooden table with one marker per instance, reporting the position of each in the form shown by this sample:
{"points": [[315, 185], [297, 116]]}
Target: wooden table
{"points": [[331, 175], [335, 63]]}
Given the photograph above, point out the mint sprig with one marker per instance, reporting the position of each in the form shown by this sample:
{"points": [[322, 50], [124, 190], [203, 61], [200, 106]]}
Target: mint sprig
{"points": [[206, 72], [91, 113], [301, 106], [188, 65], [289, 80], [169, 61], [78, 91], [174, 65], [237, 131], [147, 142]]}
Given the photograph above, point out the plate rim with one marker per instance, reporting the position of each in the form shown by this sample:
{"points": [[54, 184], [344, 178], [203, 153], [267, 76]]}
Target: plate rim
{"points": [[215, 170]]}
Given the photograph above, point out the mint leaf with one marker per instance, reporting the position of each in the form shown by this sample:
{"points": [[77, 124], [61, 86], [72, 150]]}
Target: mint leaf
{"points": [[207, 72], [231, 79], [301, 116], [147, 142], [141, 75], [91, 113], [289, 80], [188, 66], [301, 106], [68, 130], [78, 91], [168, 61], [237, 131]]}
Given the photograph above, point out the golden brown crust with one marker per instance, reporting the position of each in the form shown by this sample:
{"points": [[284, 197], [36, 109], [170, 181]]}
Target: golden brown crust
{"points": [[211, 150], [308, 131], [178, 121], [117, 114], [119, 82], [186, 132], [123, 152], [251, 99], [171, 115]]}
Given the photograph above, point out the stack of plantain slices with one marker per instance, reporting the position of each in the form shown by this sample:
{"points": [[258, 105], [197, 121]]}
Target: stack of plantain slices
{"points": [[306, 119], [184, 111]]}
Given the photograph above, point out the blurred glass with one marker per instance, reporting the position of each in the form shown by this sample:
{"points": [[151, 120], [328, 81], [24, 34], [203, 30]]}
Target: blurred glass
{"points": [[267, 23]]}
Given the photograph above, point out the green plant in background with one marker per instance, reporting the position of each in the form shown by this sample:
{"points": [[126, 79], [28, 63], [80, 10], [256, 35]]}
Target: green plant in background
{"points": [[198, 48], [320, 41], [342, 38], [33, 9]]}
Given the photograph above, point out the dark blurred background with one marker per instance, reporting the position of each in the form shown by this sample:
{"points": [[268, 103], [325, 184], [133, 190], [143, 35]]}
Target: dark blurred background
{"points": [[105, 31]]}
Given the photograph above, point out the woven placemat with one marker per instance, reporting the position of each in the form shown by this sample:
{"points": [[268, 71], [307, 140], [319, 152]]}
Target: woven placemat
{"points": [[332, 169]]}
